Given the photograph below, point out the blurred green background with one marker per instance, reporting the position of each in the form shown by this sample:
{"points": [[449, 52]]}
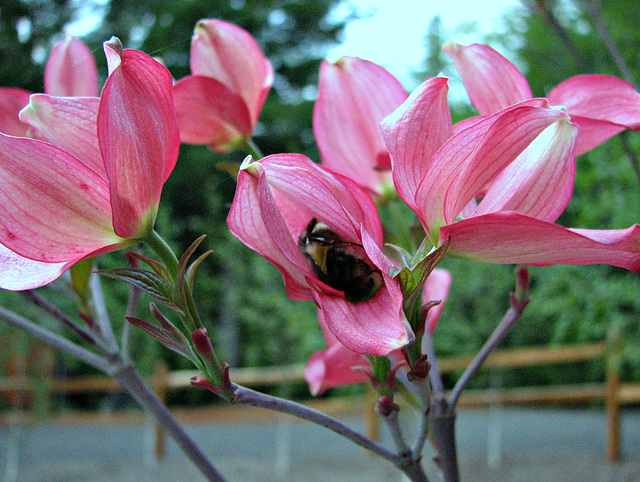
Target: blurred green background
{"points": [[241, 296]]}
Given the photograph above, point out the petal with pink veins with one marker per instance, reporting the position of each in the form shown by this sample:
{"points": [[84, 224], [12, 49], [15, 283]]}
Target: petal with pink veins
{"points": [[230, 54], [539, 182], [267, 233], [373, 327], [333, 367], [334, 199], [471, 159], [20, 273], [601, 105], [138, 135], [209, 113], [492, 82], [52, 208], [354, 95], [414, 132], [599, 97], [69, 123], [508, 237]]}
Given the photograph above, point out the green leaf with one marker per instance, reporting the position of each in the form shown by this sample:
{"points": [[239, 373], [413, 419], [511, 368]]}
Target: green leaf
{"points": [[147, 281], [412, 281], [156, 266], [163, 336], [80, 276], [191, 271]]}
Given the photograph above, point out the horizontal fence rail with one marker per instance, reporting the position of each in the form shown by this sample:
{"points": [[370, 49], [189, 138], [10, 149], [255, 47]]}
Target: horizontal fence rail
{"points": [[612, 391]]}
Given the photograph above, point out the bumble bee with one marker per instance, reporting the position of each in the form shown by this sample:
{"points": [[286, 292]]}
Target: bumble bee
{"points": [[340, 264]]}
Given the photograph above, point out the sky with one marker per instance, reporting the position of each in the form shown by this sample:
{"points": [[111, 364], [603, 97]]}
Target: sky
{"points": [[393, 33]]}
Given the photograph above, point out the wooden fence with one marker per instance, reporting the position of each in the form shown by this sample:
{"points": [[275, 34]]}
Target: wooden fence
{"points": [[611, 391]]}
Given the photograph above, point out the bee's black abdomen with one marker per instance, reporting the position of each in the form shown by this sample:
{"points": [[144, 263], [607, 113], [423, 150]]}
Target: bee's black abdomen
{"points": [[340, 264]]}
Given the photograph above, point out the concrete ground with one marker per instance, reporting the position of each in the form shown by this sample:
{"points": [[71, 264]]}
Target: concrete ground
{"points": [[494, 444]]}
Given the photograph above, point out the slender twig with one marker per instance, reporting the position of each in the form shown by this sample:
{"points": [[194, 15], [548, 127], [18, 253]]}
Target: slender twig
{"points": [[127, 376], [404, 461], [131, 381], [393, 424], [78, 330], [511, 316], [101, 313], [593, 10], [54, 340], [442, 422], [423, 389], [544, 9], [132, 306], [434, 372], [246, 396]]}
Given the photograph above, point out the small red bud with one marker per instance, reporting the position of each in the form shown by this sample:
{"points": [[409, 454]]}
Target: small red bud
{"points": [[420, 369], [132, 259], [386, 406], [201, 342]]}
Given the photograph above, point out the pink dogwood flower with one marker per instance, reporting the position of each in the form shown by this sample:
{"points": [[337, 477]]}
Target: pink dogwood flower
{"points": [[338, 365], [277, 199], [219, 104], [70, 71], [95, 185], [496, 187], [601, 105], [354, 95]]}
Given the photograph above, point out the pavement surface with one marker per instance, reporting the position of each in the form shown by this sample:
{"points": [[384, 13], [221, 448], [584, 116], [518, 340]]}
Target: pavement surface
{"points": [[494, 444]]}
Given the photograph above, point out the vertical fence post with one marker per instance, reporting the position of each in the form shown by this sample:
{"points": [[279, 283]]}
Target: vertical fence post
{"points": [[612, 398], [161, 386]]}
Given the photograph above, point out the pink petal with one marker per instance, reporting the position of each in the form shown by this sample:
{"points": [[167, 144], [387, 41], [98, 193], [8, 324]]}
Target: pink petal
{"points": [[18, 273], [373, 327], [414, 132], [138, 136], [592, 133], [71, 70], [539, 183], [492, 82], [471, 159], [436, 288], [69, 123], [209, 113], [333, 199], [354, 95], [52, 207], [12, 101], [599, 97], [464, 123], [334, 367], [507, 237], [229, 54], [267, 233], [601, 104]]}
